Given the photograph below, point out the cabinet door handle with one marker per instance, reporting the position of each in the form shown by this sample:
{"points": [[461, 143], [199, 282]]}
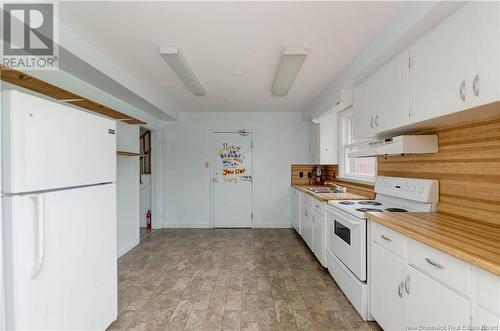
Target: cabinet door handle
{"points": [[376, 121], [305, 213], [371, 122], [475, 86], [400, 289], [317, 206], [433, 263], [463, 90], [383, 236], [407, 284]]}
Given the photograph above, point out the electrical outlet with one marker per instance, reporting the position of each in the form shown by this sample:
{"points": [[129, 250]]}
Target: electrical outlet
{"points": [[309, 174], [301, 174]]}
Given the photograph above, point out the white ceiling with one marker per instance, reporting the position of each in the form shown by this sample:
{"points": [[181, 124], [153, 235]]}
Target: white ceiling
{"points": [[217, 38]]}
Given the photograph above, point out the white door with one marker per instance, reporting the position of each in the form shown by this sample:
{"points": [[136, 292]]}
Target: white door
{"points": [[232, 179], [441, 68], [430, 303], [387, 288], [48, 145], [60, 259]]}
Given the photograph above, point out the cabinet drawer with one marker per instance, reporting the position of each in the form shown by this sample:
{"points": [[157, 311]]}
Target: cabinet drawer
{"points": [[390, 239], [318, 206], [488, 290], [450, 270], [307, 199]]}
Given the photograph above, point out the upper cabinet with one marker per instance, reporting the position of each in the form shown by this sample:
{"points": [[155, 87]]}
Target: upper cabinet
{"points": [[382, 101], [323, 139], [328, 133], [454, 67], [440, 68]]}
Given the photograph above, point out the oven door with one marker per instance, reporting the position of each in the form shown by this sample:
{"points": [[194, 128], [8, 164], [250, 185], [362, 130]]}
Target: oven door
{"points": [[347, 240]]}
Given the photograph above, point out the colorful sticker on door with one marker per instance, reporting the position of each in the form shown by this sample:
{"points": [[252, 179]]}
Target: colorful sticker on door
{"points": [[233, 169]]}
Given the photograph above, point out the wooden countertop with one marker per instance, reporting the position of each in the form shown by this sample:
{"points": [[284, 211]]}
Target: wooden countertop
{"points": [[472, 241], [328, 196]]}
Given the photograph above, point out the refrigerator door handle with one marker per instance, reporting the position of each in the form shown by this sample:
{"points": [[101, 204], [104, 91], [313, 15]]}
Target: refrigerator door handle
{"points": [[40, 231]]}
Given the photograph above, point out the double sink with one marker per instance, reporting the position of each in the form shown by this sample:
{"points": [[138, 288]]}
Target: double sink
{"points": [[337, 189]]}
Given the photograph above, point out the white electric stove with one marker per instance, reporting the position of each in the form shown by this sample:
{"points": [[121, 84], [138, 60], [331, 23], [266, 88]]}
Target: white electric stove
{"points": [[346, 230]]}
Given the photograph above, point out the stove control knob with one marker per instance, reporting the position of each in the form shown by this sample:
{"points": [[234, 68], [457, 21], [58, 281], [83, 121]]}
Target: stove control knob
{"points": [[406, 187], [387, 184], [420, 189], [413, 188]]}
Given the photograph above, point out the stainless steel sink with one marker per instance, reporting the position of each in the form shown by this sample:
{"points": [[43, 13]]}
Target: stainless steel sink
{"points": [[327, 190]]}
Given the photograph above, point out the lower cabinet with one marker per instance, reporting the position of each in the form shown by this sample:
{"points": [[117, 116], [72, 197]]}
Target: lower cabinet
{"points": [[307, 225], [318, 236], [413, 284], [386, 288], [427, 302], [296, 206]]}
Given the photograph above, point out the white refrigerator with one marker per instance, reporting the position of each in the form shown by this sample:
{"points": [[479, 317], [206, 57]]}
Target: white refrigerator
{"points": [[58, 216]]}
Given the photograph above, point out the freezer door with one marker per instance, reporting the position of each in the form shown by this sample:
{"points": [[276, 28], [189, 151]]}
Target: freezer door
{"points": [[48, 145], [61, 268]]}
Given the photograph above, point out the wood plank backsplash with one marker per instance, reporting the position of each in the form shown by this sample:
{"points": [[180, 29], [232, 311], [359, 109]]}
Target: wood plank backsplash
{"points": [[467, 167], [330, 173]]}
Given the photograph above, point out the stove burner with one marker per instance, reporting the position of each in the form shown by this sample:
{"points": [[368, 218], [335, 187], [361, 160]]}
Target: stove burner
{"points": [[396, 210], [364, 210], [346, 203], [369, 202]]}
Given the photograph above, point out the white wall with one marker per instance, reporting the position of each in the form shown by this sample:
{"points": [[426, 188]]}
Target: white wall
{"points": [[127, 188], [280, 139]]}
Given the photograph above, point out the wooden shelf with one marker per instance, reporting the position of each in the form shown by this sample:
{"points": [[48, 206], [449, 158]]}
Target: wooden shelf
{"points": [[123, 153], [26, 81]]}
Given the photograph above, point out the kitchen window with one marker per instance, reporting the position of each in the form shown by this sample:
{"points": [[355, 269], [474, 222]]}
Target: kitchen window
{"points": [[361, 169]]}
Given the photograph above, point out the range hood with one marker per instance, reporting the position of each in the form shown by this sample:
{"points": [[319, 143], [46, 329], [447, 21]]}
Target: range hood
{"points": [[400, 145]]}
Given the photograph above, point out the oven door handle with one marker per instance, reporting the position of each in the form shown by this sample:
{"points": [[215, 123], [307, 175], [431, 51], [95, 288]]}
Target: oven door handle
{"points": [[348, 221]]}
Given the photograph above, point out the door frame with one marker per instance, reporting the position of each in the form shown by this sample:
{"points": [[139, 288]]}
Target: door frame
{"points": [[251, 132], [157, 219]]}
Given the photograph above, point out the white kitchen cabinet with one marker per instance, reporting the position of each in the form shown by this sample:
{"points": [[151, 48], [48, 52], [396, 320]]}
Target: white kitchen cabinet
{"points": [[485, 48], [387, 288], [296, 214], [314, 143], [307, 225], [318, 236], [382, 101], [328, 133], [440, 68], [428, 302], [405, 291]]}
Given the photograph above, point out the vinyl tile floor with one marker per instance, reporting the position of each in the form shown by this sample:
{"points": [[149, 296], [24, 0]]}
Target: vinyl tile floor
{"points": [[229, 279]]}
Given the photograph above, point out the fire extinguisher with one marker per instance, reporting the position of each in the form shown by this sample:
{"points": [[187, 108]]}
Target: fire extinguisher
{"points": [[148, 219], [319, 178]]}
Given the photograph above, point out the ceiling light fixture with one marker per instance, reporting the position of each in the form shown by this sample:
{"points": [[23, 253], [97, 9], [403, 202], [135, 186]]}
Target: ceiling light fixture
{"points": [[179, 65], [290, 63]]}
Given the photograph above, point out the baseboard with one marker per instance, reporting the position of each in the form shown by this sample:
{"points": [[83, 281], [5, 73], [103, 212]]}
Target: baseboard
{"points": [[188, 226], [207, 226], [273, 226], [122, 251]]}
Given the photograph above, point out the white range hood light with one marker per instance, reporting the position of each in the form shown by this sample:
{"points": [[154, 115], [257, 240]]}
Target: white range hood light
{"points": [[409, 144], [290, 63], [179, 65]]}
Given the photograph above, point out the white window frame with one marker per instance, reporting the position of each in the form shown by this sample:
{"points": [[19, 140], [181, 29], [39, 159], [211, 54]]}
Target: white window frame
{"points": [[344, 117]]}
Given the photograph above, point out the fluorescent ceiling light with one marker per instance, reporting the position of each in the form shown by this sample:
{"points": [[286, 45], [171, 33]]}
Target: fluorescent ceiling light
{"points": [[177, 62], [290, 63]]}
